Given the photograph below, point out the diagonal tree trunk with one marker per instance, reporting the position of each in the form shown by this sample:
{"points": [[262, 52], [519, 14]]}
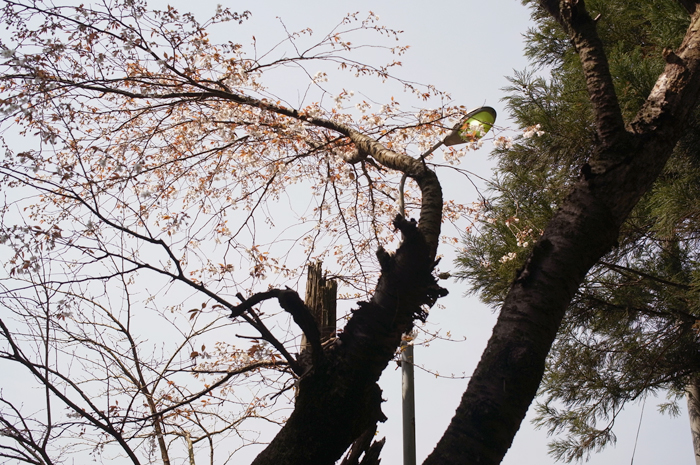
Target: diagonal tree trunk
{"points": [[624, 165]]}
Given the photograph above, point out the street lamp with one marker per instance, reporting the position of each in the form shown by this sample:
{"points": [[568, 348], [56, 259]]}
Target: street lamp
{"points": [[471, 128]]}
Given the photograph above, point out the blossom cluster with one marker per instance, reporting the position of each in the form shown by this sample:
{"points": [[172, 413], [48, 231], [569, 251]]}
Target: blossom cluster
{"points": [[503, 142], [320, 77], [533, 131], [338, 99]]}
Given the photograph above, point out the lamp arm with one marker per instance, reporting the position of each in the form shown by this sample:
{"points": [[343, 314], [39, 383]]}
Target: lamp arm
{"points": [[432, 149]]}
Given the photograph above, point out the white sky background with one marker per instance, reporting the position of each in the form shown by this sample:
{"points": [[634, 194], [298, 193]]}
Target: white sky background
{"points": [[466, 48]]}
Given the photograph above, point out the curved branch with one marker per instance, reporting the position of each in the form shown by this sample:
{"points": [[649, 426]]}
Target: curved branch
{"points": [[431, 205]]}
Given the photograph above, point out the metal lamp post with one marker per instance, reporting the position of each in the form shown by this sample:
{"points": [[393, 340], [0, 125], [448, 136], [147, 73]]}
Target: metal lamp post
{"points": [[471, 128]]}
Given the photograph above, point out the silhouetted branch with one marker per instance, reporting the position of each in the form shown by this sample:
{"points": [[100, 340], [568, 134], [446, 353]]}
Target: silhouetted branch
{"points": [[290, 302]]}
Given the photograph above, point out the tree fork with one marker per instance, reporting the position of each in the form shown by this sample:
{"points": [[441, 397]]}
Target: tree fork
{"points": [[341, 400]]}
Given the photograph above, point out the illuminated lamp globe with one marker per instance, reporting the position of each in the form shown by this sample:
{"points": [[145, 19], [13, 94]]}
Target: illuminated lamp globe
{"points": [[472, 127]]}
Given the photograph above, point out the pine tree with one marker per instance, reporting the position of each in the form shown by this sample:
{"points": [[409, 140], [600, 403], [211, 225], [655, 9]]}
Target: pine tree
{"points": [[632, 328]]}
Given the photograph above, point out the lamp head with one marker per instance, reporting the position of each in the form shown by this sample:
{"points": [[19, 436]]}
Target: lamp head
{"points": [[472, 127]]}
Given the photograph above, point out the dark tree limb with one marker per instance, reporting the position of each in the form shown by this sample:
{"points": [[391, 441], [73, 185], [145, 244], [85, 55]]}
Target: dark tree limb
{"points": [[585, 228], [576, 21], [254, 320], [689, 5], [291, 303]]}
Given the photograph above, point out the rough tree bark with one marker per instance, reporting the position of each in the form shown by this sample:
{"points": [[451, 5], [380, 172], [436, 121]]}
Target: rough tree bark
{"points": [[625, 163], [320, 299], [338, 397]]}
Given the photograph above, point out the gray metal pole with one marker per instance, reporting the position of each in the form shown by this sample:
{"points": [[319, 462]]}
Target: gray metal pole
{"points": [[408, 401], [408, 405]]}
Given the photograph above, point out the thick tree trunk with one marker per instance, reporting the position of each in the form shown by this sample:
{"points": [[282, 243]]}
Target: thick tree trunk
{"points": [[340, 400], [693, 395], [623, 168], [511, 368]]}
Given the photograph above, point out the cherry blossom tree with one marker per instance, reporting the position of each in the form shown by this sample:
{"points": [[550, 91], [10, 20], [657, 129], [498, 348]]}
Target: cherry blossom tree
{"points": [[155, 159]]}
